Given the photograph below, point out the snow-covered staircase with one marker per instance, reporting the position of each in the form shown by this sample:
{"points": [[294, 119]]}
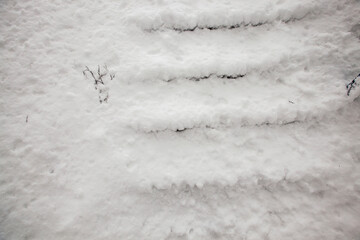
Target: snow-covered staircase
{"points": [[226, 120]]}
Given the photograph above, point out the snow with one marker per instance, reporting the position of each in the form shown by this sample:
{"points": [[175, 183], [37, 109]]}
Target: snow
{"points": [[189, 14], [183, 149]]}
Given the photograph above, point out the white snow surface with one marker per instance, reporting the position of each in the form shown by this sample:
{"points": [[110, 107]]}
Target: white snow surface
{"points": [[184, 148]]}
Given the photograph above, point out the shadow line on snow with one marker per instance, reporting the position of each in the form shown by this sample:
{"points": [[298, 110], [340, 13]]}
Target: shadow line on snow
{"points": [[219, 126], [221, 76], [221, 27]]}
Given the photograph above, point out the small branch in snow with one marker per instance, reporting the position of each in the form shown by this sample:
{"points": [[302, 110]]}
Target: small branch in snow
{"points": [[112, 76], [98, 79], [99, 82], [351, 85]]}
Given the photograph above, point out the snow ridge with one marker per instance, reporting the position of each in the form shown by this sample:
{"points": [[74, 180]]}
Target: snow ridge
{"points": [[185, 16], [223, 27]]}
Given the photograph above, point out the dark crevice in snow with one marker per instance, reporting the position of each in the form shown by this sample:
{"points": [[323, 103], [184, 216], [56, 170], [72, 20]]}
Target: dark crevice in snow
{"points": [[220, 27], [191, 128], [180, 130], [292, 122], [222, 76], [274, 124]]}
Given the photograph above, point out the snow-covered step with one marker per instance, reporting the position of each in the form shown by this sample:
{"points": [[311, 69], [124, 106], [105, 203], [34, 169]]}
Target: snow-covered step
{"points": [[201, 53], [255, 99], [168, 55], [189, 15], [227, 155], [72, 168]]}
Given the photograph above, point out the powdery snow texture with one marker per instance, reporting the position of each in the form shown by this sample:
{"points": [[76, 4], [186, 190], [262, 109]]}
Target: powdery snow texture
{"points": [[226, 120]]}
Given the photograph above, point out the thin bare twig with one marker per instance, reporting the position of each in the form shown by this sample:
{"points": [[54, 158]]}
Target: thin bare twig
{"points": [[98, 79], [351, 85]]}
